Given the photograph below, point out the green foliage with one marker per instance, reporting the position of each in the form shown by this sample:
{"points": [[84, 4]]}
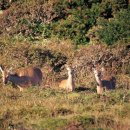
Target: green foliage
{"points": [[65, 19], [75, 19], [52, 124], [85, 120], [4, 4], [116, 29], [75, 25], [109, 8]]}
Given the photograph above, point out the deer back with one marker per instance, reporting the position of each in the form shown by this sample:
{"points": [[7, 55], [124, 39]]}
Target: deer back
{"points": [[32, 74], [108, 80]]}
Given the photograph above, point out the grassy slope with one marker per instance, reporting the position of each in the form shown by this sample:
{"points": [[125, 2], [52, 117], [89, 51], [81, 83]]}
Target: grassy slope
{"points": [[54, 109]]}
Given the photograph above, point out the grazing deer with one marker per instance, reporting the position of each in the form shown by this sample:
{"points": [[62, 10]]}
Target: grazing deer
{"points": [[104, 81], [68, 84], [22, 78]]}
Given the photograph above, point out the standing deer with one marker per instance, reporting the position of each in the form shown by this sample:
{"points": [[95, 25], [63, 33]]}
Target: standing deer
{"points": [[68, 84], [103, 80], [23, 78], [97, 75]]}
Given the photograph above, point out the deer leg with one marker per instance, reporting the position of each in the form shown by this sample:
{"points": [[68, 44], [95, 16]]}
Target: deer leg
{"points": [[99, 90], [21, 89]]}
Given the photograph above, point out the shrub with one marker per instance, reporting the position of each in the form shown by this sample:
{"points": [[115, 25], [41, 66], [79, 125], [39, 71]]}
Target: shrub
{"points": [[116, 29]]}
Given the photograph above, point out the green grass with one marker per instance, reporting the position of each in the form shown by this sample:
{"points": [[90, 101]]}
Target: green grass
{"points": [[48, 109]]}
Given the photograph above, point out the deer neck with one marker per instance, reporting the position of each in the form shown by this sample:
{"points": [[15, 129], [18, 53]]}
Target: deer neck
{"points": [[3, 77], [98, 79], [70, 78]]}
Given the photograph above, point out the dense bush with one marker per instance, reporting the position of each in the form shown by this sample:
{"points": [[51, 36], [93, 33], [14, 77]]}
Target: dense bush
{"points": [[19, 56], [4, 4], [66, 19], [116, 29]]}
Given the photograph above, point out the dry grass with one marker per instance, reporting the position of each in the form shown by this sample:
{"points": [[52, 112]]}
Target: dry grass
{"points": [[49, 109]]}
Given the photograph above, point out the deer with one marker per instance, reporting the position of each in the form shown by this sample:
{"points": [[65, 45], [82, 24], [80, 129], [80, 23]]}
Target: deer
{"points": [[68, 84], [23, 77], [103, 80]]}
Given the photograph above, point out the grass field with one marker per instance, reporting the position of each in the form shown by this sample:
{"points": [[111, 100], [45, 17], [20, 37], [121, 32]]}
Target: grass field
{"points": [[50, 109]]}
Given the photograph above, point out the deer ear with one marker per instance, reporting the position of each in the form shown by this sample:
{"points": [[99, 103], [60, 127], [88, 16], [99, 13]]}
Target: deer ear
{"points": [[103, 69], [94, 69], [1, 69], [10, 71], [66, 66]]}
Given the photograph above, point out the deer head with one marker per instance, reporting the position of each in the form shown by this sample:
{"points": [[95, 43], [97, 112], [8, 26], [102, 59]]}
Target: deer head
{"points": [[68, 67], [5, 74]]}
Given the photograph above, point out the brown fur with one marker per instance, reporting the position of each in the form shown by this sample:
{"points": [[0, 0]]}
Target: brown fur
{"points": [[63, 84], [23, 77], [68, 84], [103, 80]]}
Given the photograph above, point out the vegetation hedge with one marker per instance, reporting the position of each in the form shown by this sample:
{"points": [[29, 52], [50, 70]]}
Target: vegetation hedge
{"points": [[67, 20]]}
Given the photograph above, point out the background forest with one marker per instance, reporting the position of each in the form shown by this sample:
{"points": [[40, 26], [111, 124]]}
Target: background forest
{"points": [[50, 34], [81, 21]]}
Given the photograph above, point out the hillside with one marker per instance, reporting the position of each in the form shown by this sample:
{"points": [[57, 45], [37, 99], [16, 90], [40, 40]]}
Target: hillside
{"points": [[50, 34]]}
